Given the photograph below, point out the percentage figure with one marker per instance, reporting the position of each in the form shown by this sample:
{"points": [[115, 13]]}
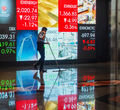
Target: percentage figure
{"points": [[8, 51]]}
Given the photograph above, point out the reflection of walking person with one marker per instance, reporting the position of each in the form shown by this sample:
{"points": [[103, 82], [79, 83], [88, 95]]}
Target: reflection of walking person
{"points": [[40, 91], [41, 49]]}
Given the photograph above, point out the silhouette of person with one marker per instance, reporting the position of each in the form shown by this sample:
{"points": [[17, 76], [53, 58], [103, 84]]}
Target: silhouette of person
{"points": [[41, 49]]}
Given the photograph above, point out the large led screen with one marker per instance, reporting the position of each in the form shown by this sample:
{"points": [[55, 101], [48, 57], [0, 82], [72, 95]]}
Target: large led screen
{"points": [[69, 31]]}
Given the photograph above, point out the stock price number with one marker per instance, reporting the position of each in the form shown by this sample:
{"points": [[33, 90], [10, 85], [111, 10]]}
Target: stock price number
{"points": [[7, 44], [71, 27], [7, 82], [88, 35], [68, 13], [30, 24], [27, 10], [70, 20], [88, 41], [28, 17], [5, 95], [6, 36], [89, 48], [7, 51]]}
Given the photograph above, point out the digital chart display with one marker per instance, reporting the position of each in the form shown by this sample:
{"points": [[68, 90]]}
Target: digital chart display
{"points": [[71, 28], [63, 44]]}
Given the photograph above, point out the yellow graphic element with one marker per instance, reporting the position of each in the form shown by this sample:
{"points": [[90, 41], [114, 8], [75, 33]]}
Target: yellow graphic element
{"points": [[48, 13], [51, 105]]}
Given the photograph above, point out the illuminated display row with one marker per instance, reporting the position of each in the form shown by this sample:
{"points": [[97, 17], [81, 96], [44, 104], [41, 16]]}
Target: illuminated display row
{"points": [[71, 29]]}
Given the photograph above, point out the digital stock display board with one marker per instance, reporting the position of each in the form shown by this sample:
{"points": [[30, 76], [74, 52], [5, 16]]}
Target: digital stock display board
{"points": [[27, 14], [68, 16], [86, 28], [70, 23], [8, 30]]}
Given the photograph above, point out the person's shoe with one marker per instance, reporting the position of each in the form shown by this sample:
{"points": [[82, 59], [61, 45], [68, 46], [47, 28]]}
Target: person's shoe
{"points": [[35, 65]]}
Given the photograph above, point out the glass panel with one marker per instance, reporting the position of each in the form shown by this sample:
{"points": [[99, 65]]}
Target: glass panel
{"points": [[113, 39], [119, 30]]}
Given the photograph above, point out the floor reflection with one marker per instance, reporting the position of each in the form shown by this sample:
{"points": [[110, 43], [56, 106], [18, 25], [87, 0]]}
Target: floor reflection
{"points": [[52, 90], [7, 94], [40, 91], [86, 91], [7, 100], [80, 88]]}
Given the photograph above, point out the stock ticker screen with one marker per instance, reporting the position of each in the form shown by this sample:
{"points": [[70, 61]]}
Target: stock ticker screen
{"points": [[70, 23], [7, 30]]}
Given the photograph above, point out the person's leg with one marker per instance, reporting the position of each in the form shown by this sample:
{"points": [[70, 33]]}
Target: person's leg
{"points": [[42, 53], [39, 62]]}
